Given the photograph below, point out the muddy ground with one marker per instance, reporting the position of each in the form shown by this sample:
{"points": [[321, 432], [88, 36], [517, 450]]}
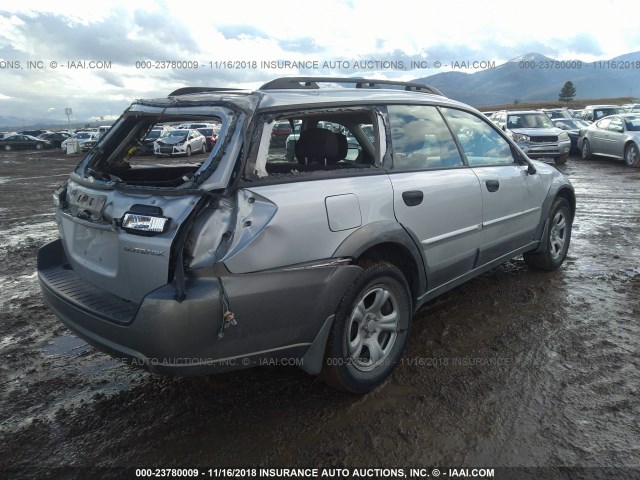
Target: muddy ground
{"points": [[515, 368]]}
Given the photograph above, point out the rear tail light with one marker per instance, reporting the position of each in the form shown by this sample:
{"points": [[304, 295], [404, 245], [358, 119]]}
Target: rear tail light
{"points": [[144, 220]]}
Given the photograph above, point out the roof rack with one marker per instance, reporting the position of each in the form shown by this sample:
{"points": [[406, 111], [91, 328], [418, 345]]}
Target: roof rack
{"points": [[191, 90], [311, 83]]}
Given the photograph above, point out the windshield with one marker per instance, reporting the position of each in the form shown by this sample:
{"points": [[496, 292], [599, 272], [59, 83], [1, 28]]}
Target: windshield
{"points": [[83, 135], [529, 120], [570, 124], [153, 134]]}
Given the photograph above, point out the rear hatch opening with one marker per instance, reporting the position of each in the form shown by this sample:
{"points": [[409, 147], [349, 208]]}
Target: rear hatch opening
{"points": [[151, 150], [124, 214]]}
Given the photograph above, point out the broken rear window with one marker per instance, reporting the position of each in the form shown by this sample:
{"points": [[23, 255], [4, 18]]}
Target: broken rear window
{"points": [[161, 147], [309, 142]]}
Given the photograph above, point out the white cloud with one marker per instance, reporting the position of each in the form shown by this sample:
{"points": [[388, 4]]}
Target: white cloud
{"points": [[124, 32]]}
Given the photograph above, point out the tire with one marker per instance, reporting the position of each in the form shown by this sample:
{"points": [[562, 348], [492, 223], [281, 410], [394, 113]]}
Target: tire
{"points": [[585, 153], [38, 146], [188, 150], [557, 238], [7, 147], [204, 148], [364, 347], [562, 159], [632, 155]]}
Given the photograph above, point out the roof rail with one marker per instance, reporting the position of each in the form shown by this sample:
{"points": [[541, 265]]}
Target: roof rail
{"points": [[311, 83], [190, 90]]}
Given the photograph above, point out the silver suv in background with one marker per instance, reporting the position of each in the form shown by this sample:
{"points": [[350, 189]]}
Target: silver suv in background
{"points": [[593, 113], [535, 134], [248, 256]]}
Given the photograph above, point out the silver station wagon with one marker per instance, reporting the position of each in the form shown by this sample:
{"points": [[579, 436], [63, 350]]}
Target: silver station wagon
{"points": [[249, 256]]}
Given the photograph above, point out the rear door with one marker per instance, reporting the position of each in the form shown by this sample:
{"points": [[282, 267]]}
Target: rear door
{"points": [[598, 137], [615, 138], [436, 198], [511, 203]]}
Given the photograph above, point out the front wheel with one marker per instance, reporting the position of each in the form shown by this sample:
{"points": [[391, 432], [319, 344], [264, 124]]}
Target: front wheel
{"points": [[188, 150], [585, 153], [7, 147], [556, 240], [38, 146], [370, 330], [632, 155], [204, 148], [562, 159]]}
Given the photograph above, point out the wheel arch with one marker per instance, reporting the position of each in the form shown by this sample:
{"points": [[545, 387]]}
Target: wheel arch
{"points": [[564, 190], [388, 241]]}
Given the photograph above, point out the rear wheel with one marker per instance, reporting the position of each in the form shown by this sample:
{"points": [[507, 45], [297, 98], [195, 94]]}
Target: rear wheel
{"points": [[7, 147], [562, 159], [586, 150], [557, 238], [632, 155], [204, 147], [370, 330], [38, 146]]}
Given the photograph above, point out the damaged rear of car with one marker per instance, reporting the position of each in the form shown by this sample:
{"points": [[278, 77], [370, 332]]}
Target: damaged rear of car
{"points": [[139, 268]]}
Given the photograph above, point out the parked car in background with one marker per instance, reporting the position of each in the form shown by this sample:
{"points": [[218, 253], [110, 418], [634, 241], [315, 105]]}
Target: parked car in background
{"points": [[19, 141], [554, 113], [572, 126], [576, 113], [56, 138], [592, 113], [6, 134], [281, 130], [245, 257], [34, 133], [196, 125], [210, 136], [535, 134], [616, 136], [86, 140], [180, 142], [145, 146], [631, 107]]}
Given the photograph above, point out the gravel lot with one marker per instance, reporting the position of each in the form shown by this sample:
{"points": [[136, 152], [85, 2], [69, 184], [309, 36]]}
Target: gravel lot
{"points": [[515, 368]]}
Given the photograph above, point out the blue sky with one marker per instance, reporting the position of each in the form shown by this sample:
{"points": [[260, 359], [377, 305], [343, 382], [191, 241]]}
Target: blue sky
{"points": [[121, 34]]}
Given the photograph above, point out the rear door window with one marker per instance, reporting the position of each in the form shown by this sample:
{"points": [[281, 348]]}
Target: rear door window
{"points": [[421, 139]]}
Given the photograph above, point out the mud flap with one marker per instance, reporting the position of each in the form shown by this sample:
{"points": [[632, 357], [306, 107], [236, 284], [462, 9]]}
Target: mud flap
{"points": [[312, 360]]}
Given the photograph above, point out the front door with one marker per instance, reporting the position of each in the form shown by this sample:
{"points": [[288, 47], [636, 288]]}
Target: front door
{"points": [[510, 214]]}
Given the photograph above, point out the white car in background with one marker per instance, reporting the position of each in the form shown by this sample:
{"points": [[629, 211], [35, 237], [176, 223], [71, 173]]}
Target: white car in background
{"points": [[86, 140], [180, 142]]}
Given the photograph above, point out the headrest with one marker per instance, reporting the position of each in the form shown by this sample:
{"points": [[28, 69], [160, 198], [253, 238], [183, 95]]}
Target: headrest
{"points": [[320, 145]]}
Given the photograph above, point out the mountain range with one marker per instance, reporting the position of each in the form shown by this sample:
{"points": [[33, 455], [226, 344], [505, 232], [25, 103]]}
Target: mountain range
{"points": [[530, 77], [535, 77]]}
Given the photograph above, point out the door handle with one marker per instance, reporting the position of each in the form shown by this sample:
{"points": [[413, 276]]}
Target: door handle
{"points": [[492, 185], [412, 198]]}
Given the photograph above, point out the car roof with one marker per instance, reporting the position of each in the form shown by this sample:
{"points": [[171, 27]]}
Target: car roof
{"points": [[523, 112], [306, 91]]}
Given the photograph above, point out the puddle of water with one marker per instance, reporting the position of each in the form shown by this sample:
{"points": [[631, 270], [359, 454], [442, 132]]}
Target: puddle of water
{"points": [[43, 231], [66, 345]]}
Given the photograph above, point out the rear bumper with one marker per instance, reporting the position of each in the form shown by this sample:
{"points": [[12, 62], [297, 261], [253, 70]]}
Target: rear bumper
{"points": [[279, 315]]}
